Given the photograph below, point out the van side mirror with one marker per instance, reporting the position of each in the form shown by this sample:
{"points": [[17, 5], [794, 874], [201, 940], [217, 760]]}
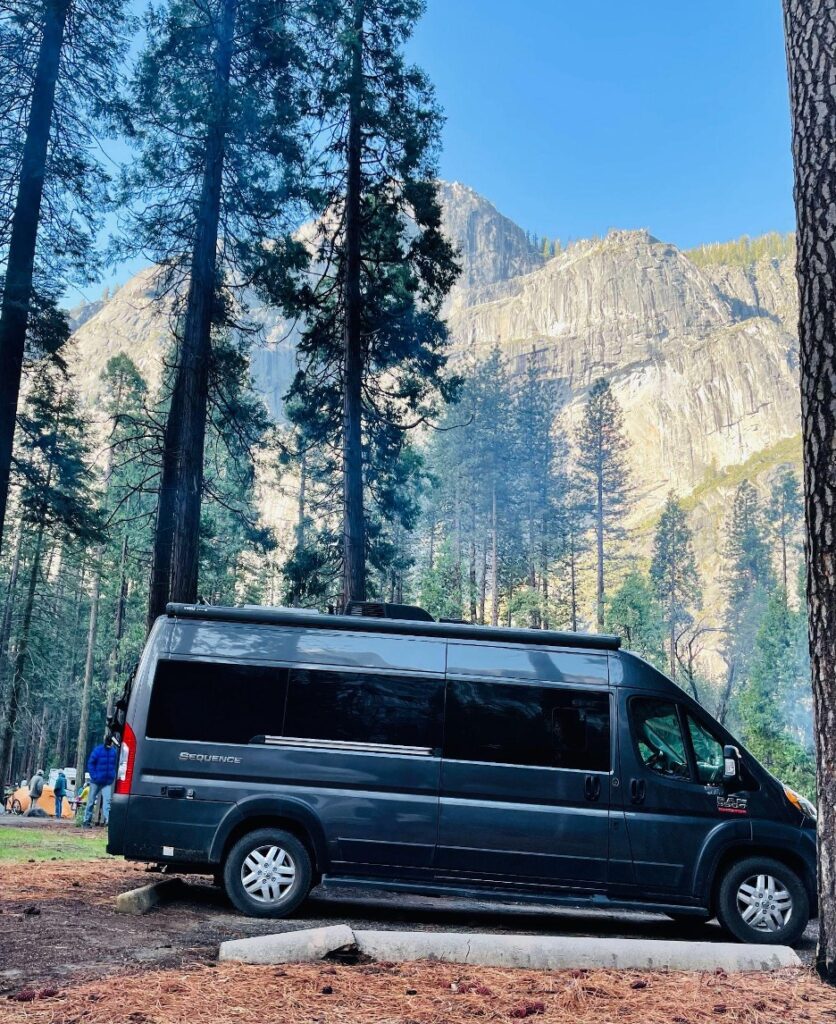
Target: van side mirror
{"points": [[731, 763]]}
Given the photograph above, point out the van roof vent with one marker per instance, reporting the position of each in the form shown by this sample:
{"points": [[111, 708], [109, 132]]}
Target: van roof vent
{"points": [[379, 610]]}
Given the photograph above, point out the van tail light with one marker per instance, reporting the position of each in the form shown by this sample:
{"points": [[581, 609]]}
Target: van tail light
{"points": [[124, 774]]}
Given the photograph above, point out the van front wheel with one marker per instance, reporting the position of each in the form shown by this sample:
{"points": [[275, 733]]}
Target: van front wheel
{"points": [[762, 900], [267, 873]]}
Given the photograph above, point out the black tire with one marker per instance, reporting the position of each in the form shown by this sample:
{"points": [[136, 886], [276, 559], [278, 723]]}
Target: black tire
{"points": [[730, 914], [269, 901]]}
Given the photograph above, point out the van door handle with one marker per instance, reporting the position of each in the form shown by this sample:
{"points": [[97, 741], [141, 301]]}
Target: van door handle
{"points": [[638, 791], [592, 787]]}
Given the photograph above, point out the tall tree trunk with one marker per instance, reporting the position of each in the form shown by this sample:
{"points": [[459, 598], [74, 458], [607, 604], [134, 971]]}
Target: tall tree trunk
{"points": [[300, 504], [39, 758], [544, 582], [810, 32], [354, 526], [84, 703], [21, 654], [494, 562], [6, 622], [459, 589], [599, 542], [472, 573], [20, 263], [483, 582], [177, 531], [573, 584], [115, 673]]}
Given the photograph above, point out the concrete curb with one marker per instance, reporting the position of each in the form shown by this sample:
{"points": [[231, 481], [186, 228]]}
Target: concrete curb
{"points": [[526, 951], [289, 947], [140, 901], [558, 952]]}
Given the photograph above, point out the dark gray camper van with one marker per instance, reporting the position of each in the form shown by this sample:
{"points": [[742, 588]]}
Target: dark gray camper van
{"points": [[279, 748]]}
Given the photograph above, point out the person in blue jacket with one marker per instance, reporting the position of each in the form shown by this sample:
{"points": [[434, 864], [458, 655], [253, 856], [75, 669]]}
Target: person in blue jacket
{"points": [[59, 792], [102, 768]]}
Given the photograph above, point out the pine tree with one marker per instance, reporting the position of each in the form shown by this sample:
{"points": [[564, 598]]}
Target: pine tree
{"points": [[674, 575], [777, 685], [55, 499], [373, 347], [747, 581], [602, 465], [635, 613], [541, 484], [784, 515], [214, 121], [65, 55]]}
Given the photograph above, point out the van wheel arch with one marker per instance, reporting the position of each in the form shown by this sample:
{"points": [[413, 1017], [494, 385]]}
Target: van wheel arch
{"points": [[276, 820], [744, 852]]}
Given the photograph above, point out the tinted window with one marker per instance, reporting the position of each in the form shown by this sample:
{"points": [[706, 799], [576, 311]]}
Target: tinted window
{"points": [[211, 702], [708, 752], [363, 707], [659, 737], [533, 664], [527, 725]]}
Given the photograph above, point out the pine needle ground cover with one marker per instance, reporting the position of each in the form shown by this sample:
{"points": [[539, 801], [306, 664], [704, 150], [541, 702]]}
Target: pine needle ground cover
{"points": [[424, 994]]}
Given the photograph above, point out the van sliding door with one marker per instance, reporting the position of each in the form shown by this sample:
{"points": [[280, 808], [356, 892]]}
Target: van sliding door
{"points": [[526, 767]]}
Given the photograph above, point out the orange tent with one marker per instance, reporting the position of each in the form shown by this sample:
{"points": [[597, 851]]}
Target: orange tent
{"points": [[46, 801]]}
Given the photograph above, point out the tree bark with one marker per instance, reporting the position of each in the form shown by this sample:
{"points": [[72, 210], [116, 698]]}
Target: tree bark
{"points": [[810, 33], [20, 265], [354, 527], [177, 531]]}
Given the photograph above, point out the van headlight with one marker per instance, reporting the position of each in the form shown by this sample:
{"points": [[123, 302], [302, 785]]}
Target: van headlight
{"points": [[801, 803]]}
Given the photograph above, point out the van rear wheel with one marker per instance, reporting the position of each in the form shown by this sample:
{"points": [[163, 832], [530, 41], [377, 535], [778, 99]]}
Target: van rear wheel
{"points": [[267, 873], [762, 900]]}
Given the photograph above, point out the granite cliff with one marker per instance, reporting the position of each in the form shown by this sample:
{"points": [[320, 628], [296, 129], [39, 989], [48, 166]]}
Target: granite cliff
{"points": [[702, 357]]}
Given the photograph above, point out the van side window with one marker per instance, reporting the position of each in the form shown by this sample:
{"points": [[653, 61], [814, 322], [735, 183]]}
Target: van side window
{"points": [[552, 727], [708, 752], [658, 736], [214, 702], [364, 707]]}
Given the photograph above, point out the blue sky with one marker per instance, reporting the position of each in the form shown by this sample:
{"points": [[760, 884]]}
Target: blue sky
{"points": [[574, 117]]}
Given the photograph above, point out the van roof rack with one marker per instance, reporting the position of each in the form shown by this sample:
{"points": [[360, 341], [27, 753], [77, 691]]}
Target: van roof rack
{"points": [[399, 627], [381, 610]]}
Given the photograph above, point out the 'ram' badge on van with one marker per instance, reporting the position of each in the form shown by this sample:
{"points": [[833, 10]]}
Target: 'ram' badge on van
{"points": [[732, 804]]}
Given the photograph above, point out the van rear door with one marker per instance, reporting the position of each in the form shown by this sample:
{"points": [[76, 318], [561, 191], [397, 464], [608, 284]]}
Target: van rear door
{"points": [[526, 767]]}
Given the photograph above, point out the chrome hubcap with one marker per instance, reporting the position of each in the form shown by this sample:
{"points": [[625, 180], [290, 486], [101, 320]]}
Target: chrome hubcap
{"points": [[764, 903], [268, 874]]}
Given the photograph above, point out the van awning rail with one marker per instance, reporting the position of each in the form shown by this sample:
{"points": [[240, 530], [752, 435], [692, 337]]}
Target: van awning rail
{"points": [[398, 627]]}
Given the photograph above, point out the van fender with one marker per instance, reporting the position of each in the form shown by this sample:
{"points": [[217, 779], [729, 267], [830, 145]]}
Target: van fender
{"points": [[724, 836], [759, 835], [255, 807]]}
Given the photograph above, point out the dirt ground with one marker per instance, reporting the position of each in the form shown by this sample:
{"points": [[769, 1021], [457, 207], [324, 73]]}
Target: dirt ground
{"points": [[66, 957]]}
